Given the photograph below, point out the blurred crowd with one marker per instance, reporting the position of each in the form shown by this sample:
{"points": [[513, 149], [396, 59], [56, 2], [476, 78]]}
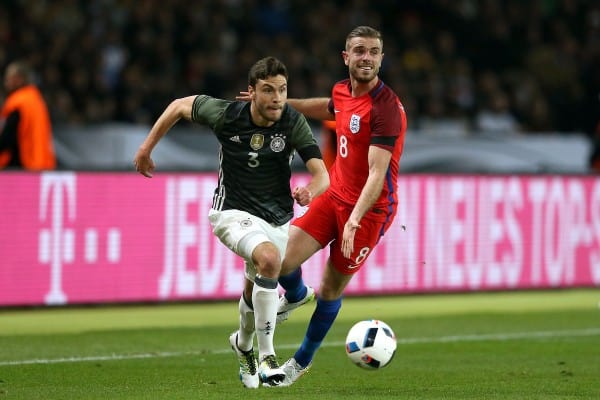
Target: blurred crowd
{"points": [[460, 66]]}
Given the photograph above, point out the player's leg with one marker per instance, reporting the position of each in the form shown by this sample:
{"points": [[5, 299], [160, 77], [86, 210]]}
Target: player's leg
{"points": [[249, 237], [265, 299], [336, 276], [328, 306], [245, 339], [242, 340], [329, 303], [300, 247], [308, 234]]}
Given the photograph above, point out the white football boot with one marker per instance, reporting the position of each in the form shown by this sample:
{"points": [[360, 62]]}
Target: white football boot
{"points": [[248, 364], [293, 372], [285, 308], [269, 371]]}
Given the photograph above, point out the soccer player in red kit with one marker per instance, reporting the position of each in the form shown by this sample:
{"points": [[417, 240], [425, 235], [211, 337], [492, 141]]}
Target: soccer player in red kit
{"points": [[360, 204]]}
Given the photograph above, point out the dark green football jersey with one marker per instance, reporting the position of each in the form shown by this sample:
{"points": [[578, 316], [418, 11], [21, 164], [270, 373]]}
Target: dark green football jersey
{"points": [[254, 161]]}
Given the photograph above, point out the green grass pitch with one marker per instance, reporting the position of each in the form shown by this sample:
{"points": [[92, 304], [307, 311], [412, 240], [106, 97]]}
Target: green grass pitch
{"points": [[504, 345]]}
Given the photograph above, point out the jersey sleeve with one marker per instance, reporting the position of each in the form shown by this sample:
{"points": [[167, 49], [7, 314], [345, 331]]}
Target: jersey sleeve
{"points": [[386, 122], [304, 140], [330, 106], [209, 111]]}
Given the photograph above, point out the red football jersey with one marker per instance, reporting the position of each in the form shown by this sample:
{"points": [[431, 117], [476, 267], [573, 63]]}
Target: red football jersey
{"points": [[374, 119]]}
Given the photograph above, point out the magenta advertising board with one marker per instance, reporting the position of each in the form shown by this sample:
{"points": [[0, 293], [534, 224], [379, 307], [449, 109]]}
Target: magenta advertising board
{"points": [[82, 237]]}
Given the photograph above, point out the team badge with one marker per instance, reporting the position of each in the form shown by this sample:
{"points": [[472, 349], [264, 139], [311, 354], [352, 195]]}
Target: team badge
{"points": [[257, 141], [354, 123], [277, 143], [245, 223]]}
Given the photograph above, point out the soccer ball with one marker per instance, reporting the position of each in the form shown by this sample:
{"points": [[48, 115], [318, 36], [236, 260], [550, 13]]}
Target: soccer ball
{"points": [[371, 344]]}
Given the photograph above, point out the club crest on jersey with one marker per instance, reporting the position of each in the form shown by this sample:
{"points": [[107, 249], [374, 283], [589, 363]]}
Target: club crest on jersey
{"points": [[257, 141], [245, 223], [354, 123], [278, 142]]}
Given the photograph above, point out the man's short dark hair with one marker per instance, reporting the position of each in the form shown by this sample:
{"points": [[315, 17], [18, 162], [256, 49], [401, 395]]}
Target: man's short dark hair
{"points": [[264, 68]]}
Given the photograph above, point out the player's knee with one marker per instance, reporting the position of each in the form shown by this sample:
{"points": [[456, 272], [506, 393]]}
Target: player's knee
{"points": [[267, 260]]}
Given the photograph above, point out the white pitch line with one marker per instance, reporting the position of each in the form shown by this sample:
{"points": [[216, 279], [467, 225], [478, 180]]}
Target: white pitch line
{"points": [[401, 341]]}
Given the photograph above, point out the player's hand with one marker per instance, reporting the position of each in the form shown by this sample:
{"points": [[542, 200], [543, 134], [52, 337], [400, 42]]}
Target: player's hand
{"points": [[243, 96], [348, 237], [302, 195], [143, 163]]}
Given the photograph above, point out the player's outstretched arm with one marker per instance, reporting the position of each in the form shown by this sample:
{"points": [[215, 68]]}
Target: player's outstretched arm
{"points": [[315, 107], [179, 108]]}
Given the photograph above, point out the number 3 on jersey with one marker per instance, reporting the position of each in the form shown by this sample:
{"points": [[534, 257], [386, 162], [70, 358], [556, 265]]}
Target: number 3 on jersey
{"points": [[253, 161]]}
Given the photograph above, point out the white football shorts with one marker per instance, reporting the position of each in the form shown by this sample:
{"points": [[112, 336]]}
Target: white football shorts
{"points": [[241, 232]]}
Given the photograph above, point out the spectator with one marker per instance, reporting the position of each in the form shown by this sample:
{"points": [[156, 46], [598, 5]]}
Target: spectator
{"points": [[128, 54], [25, 127], [495, 117]]}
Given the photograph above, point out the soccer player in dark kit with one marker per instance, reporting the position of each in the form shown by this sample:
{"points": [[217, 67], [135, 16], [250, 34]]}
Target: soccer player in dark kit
{"points": [[253, 202]]}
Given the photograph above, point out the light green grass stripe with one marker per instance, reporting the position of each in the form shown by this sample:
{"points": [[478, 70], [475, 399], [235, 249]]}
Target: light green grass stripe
{"points": [[401, 341], [74, 320]]}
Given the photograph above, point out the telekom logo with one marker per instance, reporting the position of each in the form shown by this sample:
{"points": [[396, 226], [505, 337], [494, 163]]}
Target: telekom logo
{"points": [[57, 243], [57, 240]]}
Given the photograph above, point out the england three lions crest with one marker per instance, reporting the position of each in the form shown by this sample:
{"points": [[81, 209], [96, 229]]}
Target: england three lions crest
{"points": [[355, 123]]}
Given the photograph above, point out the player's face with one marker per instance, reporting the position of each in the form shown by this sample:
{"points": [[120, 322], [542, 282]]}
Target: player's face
{"points": [[363, 58], [268, 98]]}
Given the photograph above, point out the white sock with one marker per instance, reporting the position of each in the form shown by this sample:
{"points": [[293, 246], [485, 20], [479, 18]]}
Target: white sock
{"points": [[265, 299], [245, 338]]}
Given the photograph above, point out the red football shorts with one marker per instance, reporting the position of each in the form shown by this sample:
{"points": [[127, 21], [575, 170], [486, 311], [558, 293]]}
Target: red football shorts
{"points": [[325, 219]]}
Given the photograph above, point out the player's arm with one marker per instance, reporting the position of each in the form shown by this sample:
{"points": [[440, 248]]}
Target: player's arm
{"points": [[305, 143], [379, 160], [315, 108], [319, 182], [179, 108]]}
